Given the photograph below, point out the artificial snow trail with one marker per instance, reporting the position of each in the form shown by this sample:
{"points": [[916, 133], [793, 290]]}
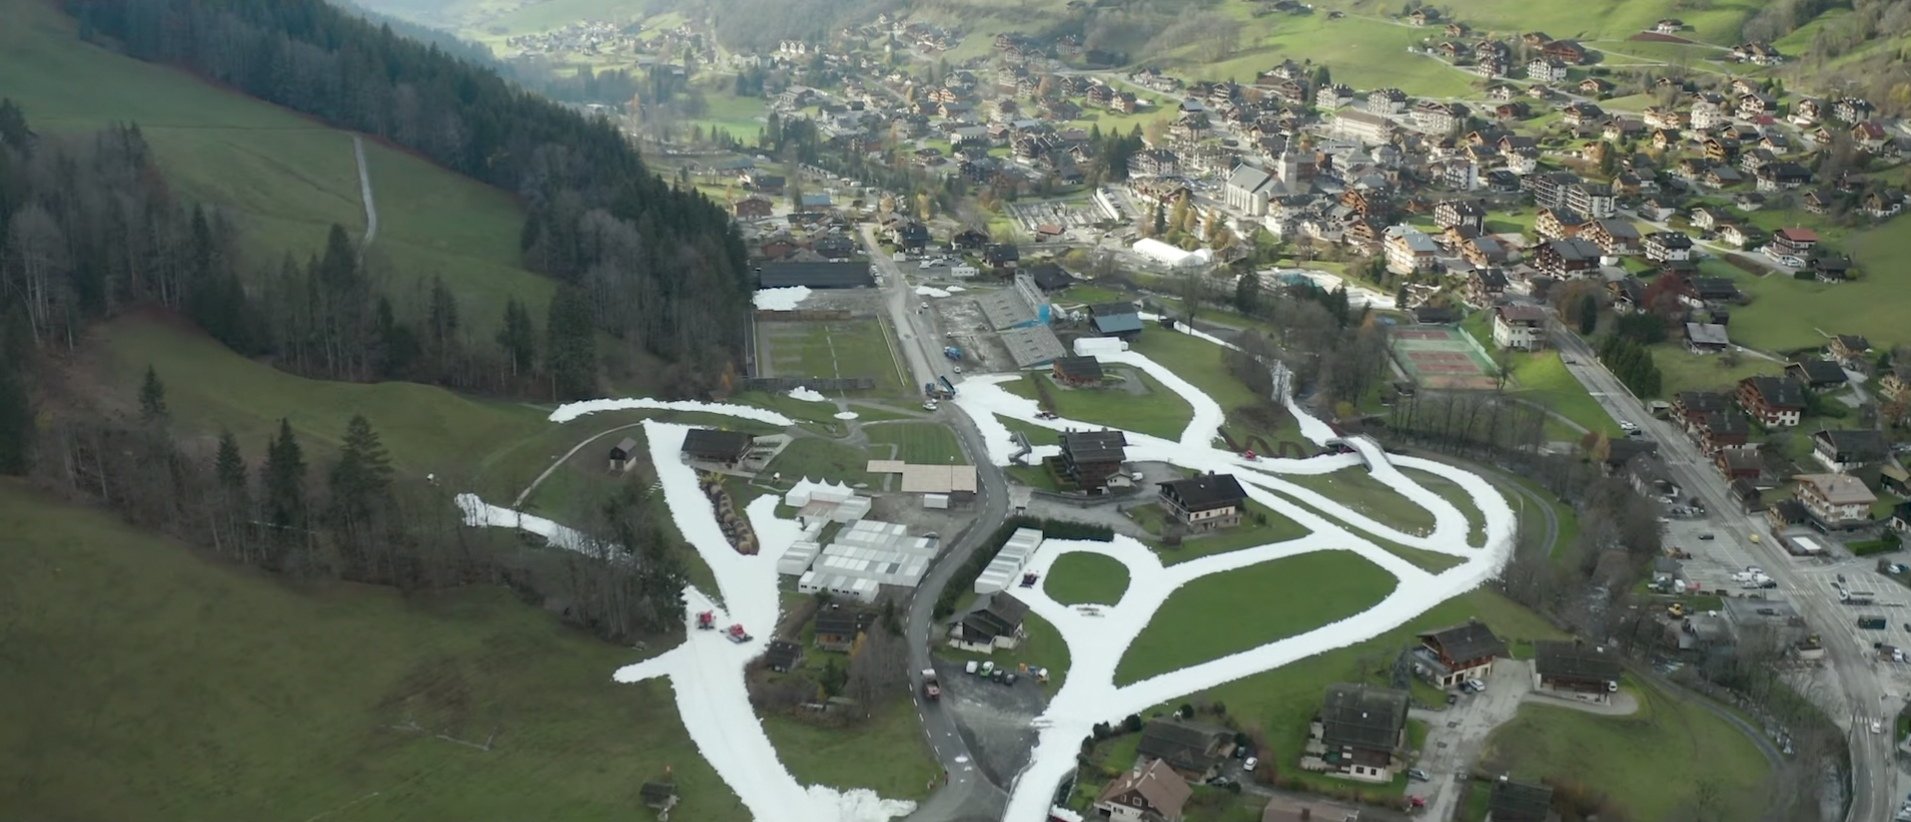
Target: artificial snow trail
{"points": [[707, 670]]}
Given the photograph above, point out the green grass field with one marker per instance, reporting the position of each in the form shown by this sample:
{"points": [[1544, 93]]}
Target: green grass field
{"points": [[427, 430], [1082, 576], [823, 459], [831, 350], [1542, 378], [1155, 411], [1654, 764], [283, 178], [1250, 533], [1357, 489], [145, 682], [845, 757], [918, 442], [1200, 363], [1682, 370], [1221, 614], [1361, 52], [1453, 493]]}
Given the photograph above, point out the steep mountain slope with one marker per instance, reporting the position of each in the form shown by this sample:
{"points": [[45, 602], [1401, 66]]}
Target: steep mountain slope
{"points": [[284, 177]]}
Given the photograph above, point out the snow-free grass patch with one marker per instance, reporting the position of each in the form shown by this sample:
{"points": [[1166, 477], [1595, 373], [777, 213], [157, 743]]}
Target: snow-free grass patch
{"points": [[1357, 489], [1654, 764], [1150, 409], [1221, 614], [299, 701], [1086, 577], [929, 443]]}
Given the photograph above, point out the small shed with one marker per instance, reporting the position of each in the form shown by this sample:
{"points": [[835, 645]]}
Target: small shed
{"points": [[659, 797], [623, 455]]}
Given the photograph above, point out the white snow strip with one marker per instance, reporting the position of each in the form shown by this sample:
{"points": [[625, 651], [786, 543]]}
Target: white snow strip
{"points": [[707, 670], [847, 415], [481, 514], [781, 299], [1098, 638], [955, 289], [807, 394], [572, 410], [931, 291]]}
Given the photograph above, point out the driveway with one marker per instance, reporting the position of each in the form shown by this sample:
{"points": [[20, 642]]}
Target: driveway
{"points": [[1457, 735]]}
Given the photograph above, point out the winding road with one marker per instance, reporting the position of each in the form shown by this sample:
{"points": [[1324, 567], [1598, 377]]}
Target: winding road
{"points": [[968, 794]]}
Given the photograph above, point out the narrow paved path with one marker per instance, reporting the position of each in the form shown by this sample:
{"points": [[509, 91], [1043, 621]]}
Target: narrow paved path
{"points": [[365, 193], [526, 493]]}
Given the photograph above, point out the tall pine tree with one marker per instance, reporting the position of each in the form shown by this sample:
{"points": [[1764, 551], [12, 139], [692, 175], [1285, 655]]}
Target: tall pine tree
{"points": [[152, 398], [362, 476], [571, 350], [518, 337], [284, 481]]}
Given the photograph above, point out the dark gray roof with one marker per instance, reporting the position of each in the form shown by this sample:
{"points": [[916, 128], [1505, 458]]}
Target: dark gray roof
{"points": [[710, 442], [1519, 802], [1363, 716], [1118, 323], [782, 654], [624, 449], [1821, 372], [815, 275], [1470, 640], [1183, 746], [840, 621], [1779, 392], [1112, 309], [1050, 277], [996, 615], [657, 793], [1575, 661], [1205, 491], [1859, 444], [1095, 446], [1080, 368]]}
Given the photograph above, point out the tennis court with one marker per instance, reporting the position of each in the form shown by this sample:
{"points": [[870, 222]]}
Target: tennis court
{"points": [[1442, 356]]}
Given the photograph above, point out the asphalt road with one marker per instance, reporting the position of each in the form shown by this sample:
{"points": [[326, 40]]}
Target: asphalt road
{"points": [[1855, 686], [967, 794]]}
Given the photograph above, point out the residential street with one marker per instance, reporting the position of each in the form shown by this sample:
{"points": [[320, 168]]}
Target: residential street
{"points": [[968, 794], [1853, 689]]}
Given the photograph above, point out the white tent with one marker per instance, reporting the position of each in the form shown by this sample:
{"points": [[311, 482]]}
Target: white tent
{"points": [[1171, 256]]}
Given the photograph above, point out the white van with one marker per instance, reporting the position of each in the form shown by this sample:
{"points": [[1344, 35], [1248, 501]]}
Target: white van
{"points": [[971, 667]]}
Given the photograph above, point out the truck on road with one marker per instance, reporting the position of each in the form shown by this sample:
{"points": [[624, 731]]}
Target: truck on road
{"points": [[1871, 623], [952, 352], [931, 690]]}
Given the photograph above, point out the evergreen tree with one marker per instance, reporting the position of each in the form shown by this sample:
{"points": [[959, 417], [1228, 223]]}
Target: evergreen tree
{"points": [[518, 338], [152, 398], [571, 348], [443, 317], [1588, 314], [229, 467], [284, 481], [362, 476], [1247, 294]]}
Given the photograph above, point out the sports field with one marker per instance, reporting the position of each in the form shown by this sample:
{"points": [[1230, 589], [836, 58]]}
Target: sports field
{"points": [[830, 349], [1441, 356]]}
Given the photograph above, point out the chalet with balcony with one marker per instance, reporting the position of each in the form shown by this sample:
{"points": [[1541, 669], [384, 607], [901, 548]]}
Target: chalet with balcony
{"points": [[1090, 458], [1575, 670], [1453, 655], [1774, 402], [1360, 733], [1849, 452], [1208, 502], [1835, 502]]}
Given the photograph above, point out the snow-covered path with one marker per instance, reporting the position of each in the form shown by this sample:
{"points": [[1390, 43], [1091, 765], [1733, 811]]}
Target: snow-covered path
{"points": [[707, 671], [1098, 637]]}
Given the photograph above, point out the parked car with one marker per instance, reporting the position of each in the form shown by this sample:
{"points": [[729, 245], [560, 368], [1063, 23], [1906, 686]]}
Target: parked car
{"points": [[1708, 536], [1248, 765], [1417, 775], [972, 666]]}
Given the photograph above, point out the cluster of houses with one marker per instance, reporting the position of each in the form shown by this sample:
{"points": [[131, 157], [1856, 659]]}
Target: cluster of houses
{"points": [[1833, 490]]}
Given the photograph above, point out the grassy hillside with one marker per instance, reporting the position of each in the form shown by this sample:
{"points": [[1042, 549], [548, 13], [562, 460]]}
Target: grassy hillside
{"points": [[283, 177], [427, 430], [145, 683]]}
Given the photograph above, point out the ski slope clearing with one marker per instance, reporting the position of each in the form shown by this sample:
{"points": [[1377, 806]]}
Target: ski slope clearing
{"points": [[707, 670], [807, 394], [1098, 636]]}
